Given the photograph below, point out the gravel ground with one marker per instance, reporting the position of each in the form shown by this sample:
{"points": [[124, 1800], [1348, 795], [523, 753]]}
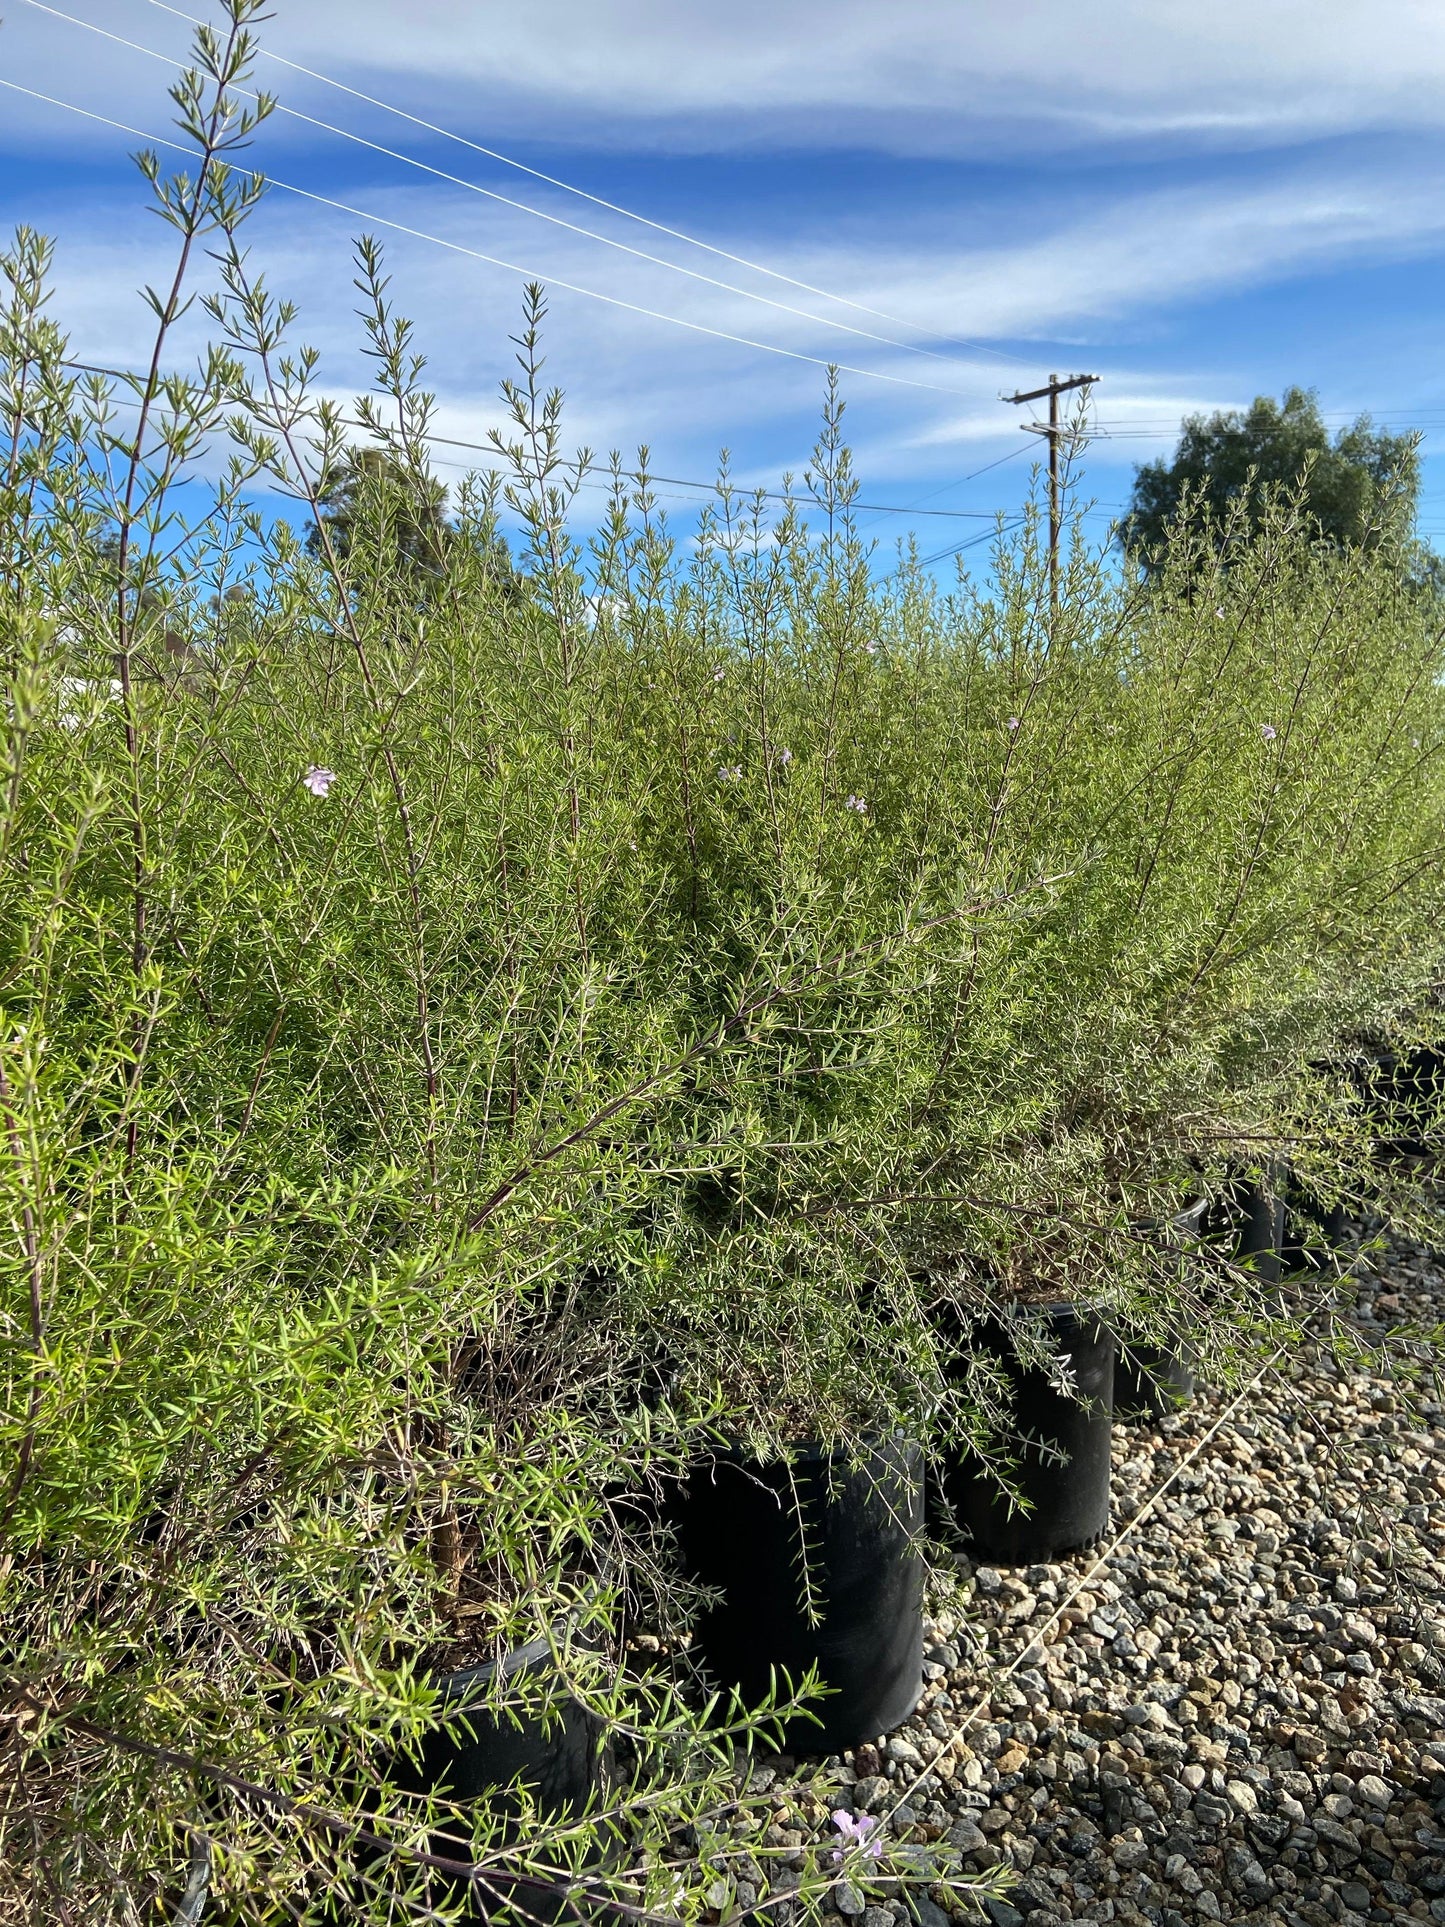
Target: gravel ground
{"points": [[1240, 1718]]}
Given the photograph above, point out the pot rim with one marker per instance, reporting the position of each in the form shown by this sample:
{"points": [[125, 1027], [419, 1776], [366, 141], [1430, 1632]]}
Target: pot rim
{"points": [[566, 1631], [812, 1450], [1057, 1310], [453, 1685]]}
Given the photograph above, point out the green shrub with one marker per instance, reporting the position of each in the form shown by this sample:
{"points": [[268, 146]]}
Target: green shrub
{"points": [[472, 1026]]}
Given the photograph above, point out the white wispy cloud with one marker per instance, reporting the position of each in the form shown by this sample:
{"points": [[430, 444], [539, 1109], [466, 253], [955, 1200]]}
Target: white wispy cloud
{"points": [[1097, 267], [914, 75], [636, 378]]}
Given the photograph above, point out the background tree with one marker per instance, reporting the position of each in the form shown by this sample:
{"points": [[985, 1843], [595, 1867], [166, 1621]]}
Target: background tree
{"points": [[1356, 489], [374, 498], [400, 516]]}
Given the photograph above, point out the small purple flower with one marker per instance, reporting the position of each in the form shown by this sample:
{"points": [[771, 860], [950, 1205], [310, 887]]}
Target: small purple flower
{"points": [[858, 1830], [718, 674], [785, 757], [871, 647], [1268, 731], [731, 773], [858, 804], [319, 780], [1013, 722]]}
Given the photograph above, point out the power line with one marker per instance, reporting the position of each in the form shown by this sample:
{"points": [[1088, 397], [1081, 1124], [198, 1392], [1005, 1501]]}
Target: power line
{"points": [[772, 495], [916, 508], [492, 260], [1002, 526], [958, 548], [613, 207], [712, 488], [506, 200]]}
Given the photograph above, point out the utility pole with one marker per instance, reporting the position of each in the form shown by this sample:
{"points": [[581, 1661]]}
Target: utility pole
{"points": [[1053, 388]]}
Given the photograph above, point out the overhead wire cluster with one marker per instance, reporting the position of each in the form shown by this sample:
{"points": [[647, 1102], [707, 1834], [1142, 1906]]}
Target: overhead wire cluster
{"points": [[1121, 429], [648, 477], [542, 214], [894, 341]]}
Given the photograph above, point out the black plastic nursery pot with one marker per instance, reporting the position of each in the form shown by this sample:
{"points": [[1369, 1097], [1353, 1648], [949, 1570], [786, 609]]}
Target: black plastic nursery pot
{"points": [[1402, 1091], [767, 1536], [1249, 1216], [1313, 1229], [1150, 1381], [1260, 1230], [472, 1753], [1062, 1454]]}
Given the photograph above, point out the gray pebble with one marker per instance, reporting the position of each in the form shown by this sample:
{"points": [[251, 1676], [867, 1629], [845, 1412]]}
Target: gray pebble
{"points": [[1001, 1914], [1239, 1715], [925, 1911]]}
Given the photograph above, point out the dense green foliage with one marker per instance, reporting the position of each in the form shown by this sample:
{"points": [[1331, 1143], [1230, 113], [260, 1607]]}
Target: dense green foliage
{"points": [[371, 496], [459, 1046], [1357, 490]]}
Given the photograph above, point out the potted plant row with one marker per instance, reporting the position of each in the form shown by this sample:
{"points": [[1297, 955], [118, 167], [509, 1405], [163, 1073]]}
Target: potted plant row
{"points": [[810, 1561]]}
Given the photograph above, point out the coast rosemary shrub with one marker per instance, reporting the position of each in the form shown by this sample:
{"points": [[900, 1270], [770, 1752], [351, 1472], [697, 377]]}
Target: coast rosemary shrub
{"points": [[476, 1022]]}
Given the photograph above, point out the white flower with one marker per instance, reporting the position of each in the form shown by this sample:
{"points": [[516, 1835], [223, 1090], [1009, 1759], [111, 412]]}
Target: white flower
{"points": [[1013, 722], [718, 674], [1220, 614], [319, 780], [871, 647], [857, 803], [786, 756], [1268, 731]]}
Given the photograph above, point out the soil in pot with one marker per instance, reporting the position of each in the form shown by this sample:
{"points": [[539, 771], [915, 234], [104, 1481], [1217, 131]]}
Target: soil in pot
{"points": [[771, 1537], [1062, 1452]]}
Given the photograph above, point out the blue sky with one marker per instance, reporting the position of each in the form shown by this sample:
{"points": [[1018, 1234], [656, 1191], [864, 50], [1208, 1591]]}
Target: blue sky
{"points": [[1197, 204]]}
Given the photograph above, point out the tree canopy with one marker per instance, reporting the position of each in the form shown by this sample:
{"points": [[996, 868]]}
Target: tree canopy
{"points": [[374, 500], [371, 493], [1356, 489]]}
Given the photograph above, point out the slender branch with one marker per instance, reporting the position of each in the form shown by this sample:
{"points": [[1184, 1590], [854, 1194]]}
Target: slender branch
{"points": [[30, 1238]]}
